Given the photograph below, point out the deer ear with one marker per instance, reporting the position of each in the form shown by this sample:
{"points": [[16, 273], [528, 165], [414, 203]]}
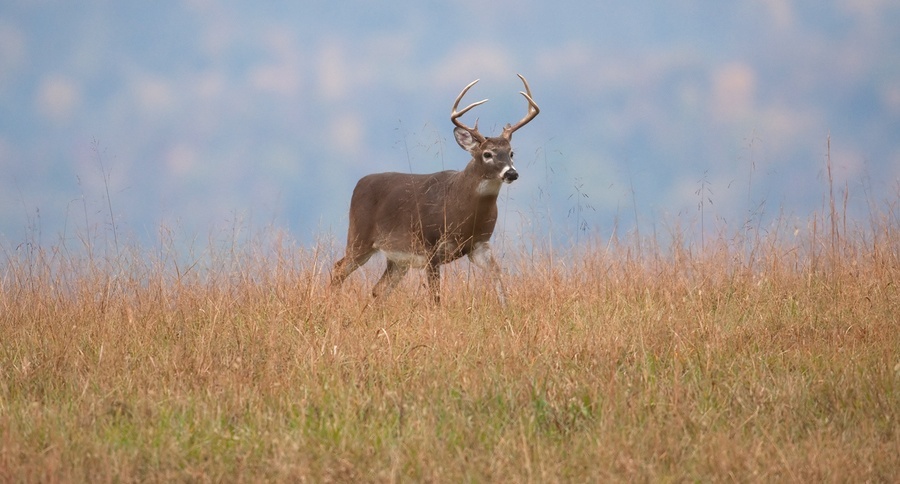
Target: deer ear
{"points": [[465, 139]]}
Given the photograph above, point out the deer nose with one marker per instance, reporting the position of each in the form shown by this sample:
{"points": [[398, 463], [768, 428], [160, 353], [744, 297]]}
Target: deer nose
{"points": [[510, 175]]}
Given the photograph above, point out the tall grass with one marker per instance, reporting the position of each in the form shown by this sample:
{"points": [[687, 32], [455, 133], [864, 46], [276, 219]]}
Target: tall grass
{"points": [[755, 356]]}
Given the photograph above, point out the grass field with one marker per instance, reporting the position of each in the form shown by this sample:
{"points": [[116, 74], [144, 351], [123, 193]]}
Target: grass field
{"points": [[766, 357]]}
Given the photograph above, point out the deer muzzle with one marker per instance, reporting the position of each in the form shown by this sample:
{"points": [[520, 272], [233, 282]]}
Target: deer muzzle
{"points": [[510, 175]]}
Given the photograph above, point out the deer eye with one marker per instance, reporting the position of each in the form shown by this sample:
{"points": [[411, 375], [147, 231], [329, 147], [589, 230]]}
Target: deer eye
{"points": [[511, 154], [488, 156]]}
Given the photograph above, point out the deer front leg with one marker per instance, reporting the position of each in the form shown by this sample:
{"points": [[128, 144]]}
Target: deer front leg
{"points": [[482, 256], [433, 271]]}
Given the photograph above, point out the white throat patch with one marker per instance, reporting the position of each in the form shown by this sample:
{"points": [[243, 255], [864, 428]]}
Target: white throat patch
{"points": [[489, 187]]}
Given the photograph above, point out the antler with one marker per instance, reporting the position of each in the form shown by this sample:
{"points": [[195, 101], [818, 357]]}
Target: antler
{"points": [[533, 111], [454, 115]]}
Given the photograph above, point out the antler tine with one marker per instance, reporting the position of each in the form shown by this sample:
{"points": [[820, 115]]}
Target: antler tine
{"points": [[533, 111], [454, 115]]}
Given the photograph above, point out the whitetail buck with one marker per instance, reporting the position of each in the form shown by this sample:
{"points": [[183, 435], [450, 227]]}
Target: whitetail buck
{"points": [[429, 220]]}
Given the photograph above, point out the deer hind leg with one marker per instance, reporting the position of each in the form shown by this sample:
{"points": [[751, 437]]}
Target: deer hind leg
{"points": [[483, 257], [393, 273], [351, 261]]}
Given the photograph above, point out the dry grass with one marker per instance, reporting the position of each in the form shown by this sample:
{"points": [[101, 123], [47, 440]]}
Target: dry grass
{"points": [[757, 358]]}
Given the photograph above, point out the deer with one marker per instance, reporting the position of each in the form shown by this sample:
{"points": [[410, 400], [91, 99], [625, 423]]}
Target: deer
{"points": [[427, 220]]}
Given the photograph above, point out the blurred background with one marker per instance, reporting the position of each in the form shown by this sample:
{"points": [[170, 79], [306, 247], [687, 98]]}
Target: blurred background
{"points": [[197, 116]]}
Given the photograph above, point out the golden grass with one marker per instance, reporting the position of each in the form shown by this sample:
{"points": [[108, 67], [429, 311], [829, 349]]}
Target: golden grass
{"points": [[756, 358]]}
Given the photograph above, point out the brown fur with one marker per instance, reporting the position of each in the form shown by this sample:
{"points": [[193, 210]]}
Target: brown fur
{"points": [[432, 219]]}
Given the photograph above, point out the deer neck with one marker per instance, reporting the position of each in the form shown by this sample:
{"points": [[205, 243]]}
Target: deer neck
{"points": [[480, 189]]}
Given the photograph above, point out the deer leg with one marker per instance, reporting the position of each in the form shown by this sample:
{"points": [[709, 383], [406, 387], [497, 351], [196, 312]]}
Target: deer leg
{"points": [[393, 273], [434, 281], [347, 265], [482, 256]]}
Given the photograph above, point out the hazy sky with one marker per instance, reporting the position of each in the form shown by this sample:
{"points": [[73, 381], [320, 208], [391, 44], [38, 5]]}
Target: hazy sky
{"points": [[197, 115]]}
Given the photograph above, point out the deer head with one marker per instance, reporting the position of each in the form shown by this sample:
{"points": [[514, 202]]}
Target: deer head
{"points": [[494, 156]]}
